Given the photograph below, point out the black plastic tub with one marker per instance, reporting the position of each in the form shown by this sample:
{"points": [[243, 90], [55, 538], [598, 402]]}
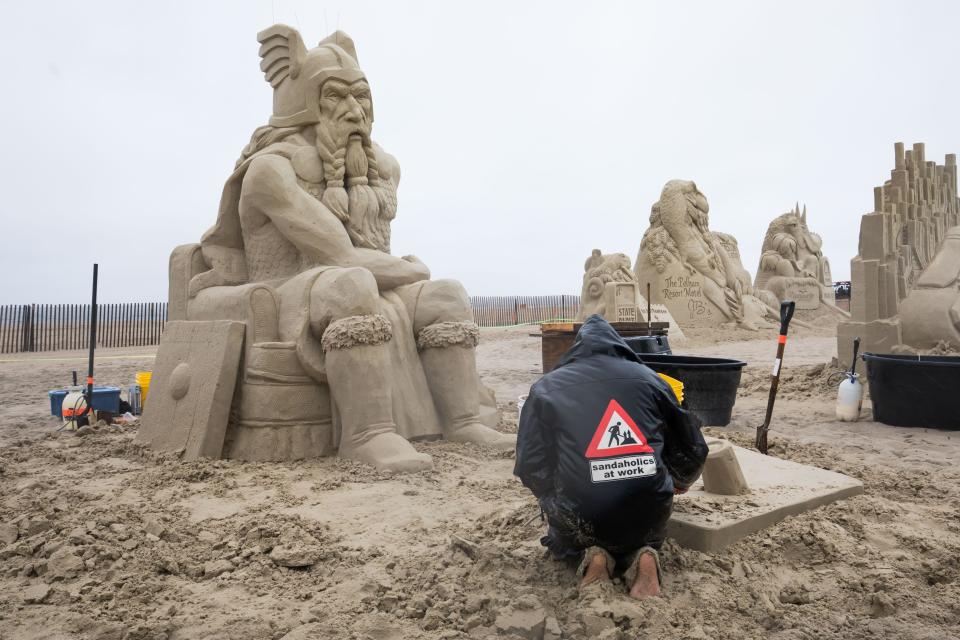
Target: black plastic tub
{"points": [[649, 344], [915, 391], [709, 384]]}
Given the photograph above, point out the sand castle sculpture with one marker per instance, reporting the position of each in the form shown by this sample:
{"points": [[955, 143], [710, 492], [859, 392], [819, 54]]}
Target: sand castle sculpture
{"points": [[793, 267], [697, 273], [610, 288], [904, 293], [296, 333]]}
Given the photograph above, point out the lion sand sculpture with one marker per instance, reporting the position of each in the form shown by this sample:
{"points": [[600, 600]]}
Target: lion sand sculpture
{"points": [[697, 273], [346, 348]]}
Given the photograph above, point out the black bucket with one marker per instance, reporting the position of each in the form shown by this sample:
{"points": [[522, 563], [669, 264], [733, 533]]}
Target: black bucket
{"points": [[709, 384], [914, 391], [649, 344]]}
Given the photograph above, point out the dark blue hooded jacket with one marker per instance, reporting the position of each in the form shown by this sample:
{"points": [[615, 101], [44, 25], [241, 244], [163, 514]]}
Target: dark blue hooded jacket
{"points": [[569, 406]]}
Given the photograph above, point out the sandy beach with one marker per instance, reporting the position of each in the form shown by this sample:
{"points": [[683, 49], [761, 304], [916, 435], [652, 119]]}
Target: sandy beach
{"points": [[103, 539]]}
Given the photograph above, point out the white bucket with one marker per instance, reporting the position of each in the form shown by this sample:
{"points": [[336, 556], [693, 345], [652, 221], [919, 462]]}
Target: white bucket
{"points": [[520, 402]]}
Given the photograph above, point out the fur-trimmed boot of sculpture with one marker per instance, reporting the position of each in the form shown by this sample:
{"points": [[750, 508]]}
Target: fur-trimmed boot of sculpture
{"points": [[357, 365], [447, 352]]}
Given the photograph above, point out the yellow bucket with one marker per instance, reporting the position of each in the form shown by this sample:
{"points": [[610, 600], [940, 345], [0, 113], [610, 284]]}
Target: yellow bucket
{"points": [[676, 385], [143, 380]]}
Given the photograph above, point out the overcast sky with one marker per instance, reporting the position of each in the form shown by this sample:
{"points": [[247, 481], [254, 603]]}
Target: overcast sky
{"points": [[528, 133]]}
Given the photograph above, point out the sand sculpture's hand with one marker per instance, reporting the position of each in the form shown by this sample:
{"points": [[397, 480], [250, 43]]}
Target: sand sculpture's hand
{"points": [[417, 263]]}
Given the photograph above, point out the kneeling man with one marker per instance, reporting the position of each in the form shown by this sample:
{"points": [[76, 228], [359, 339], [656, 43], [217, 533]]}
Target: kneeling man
{"points": [[604, 445]]}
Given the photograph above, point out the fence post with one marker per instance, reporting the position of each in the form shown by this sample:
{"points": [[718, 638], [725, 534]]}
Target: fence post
{"points": [[26, 329]]}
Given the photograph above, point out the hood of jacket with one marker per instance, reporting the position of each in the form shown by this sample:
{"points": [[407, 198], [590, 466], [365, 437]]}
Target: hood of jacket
{"points": [[598, 337]]}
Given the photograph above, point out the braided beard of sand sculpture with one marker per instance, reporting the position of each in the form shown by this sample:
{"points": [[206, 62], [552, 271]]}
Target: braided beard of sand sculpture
{"points": [[792, 265], [696, 272], [347, 348]]}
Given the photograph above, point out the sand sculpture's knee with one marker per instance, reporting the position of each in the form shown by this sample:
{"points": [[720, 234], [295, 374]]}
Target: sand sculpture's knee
{"points": [[443, 301], [341, 294], [350, 292], [445, 317], [347, 304]]}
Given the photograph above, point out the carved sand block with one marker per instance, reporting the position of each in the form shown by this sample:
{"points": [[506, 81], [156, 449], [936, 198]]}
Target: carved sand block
{"points": [[793, 267], [806, 295], [722, 474], [193, 384], [778, 488], [610, 289], [694, 272]]}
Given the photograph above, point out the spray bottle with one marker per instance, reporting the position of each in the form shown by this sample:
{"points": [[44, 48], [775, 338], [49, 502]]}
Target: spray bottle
{"points": [[850, 393]]}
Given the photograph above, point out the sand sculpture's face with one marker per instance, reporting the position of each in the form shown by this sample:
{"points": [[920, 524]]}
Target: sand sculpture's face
{"points": [[697, 206], [346, 110], [343, 129], [791, 227]]}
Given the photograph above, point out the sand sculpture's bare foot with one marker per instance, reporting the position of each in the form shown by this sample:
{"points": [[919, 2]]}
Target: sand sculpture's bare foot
{"points": [[477, 433], [391, 452], [647, 582]]}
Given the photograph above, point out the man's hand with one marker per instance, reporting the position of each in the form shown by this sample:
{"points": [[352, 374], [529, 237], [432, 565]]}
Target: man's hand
{"points": [[677, 491]]}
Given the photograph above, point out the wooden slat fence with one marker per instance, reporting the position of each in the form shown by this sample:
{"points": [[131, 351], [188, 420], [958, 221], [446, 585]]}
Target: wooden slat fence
{"points": [[502, 311], [57, 327]]}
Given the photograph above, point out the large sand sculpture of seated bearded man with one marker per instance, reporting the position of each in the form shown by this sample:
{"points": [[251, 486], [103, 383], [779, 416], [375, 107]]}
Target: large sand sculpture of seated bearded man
{"points": [[308, 211]]}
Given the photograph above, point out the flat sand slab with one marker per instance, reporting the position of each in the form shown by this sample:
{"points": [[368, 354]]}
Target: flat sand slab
{"points": [[778, 488]]}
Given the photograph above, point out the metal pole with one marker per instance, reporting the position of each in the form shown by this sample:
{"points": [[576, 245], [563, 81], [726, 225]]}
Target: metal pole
{"points": [[93, 341]]}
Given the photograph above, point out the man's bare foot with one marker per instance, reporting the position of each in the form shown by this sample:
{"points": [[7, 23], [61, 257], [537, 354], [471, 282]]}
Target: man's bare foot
{"points": [[482, 434], [647, 582], [595, 571], [391, 452]]}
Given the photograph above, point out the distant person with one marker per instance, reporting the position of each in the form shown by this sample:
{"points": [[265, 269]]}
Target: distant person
{"points": [[607, 500]]}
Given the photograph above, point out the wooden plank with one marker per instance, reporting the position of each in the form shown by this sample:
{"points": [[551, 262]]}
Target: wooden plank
{"points": [[4, 320]]}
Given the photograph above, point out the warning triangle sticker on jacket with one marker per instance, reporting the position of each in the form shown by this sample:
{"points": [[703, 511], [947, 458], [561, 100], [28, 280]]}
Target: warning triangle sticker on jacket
{"points": [[617, 434]]}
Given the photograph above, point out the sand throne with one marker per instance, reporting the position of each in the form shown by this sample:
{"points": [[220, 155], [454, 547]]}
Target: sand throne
{"points": [[278, 412]]}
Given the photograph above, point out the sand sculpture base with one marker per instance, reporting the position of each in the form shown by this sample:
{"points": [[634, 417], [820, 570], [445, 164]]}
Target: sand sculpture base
{"points": [[778, 488]]}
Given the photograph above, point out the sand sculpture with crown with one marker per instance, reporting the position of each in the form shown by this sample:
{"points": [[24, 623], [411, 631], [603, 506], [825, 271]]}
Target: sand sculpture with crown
{"points": [[792, 266], [346, 348], [697, 273]]}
